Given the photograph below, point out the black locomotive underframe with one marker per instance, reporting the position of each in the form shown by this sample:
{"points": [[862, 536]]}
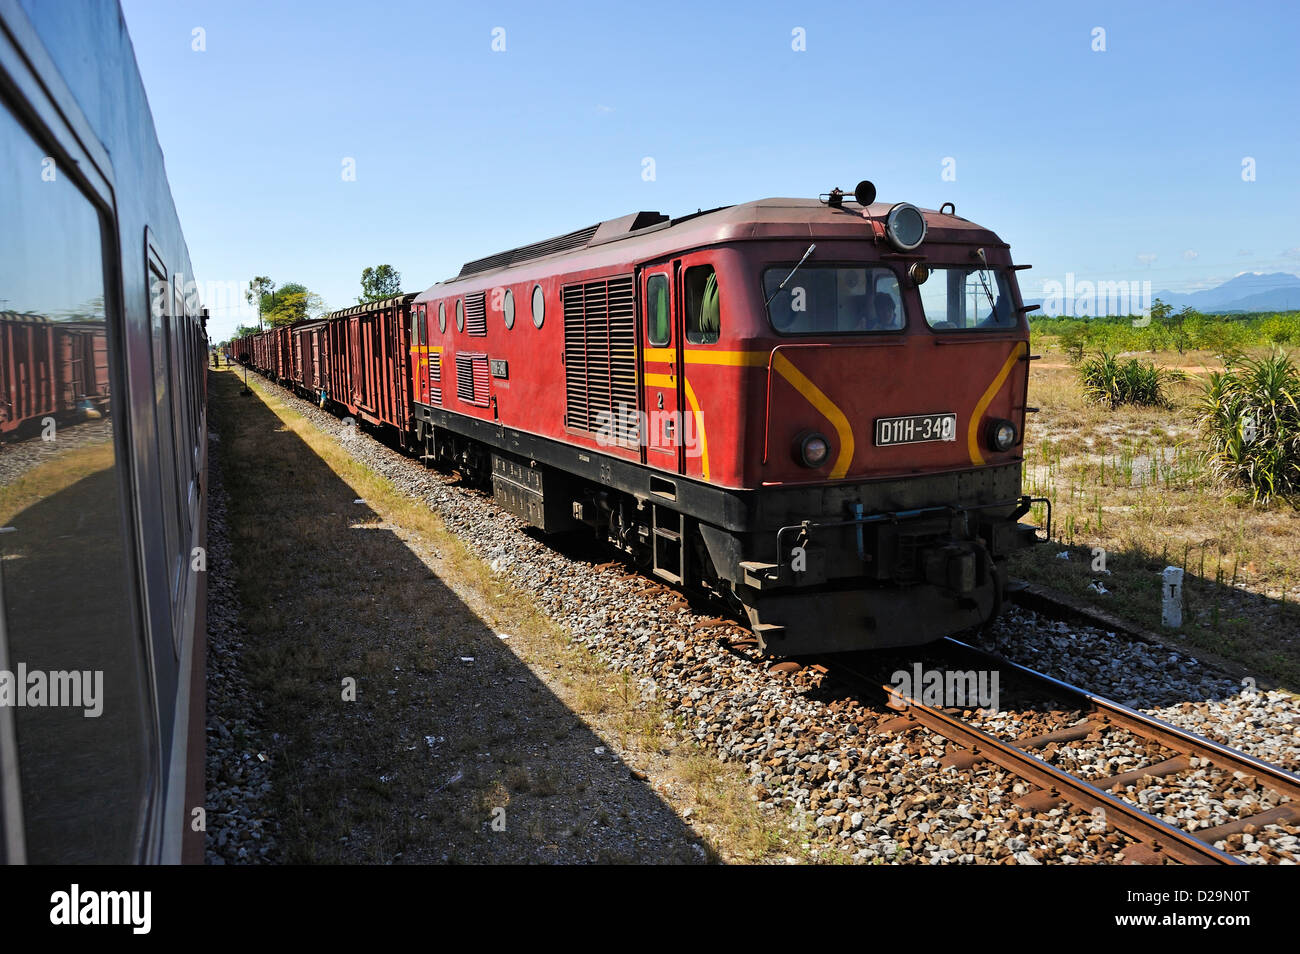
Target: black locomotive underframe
{"points": [[894, 561]]}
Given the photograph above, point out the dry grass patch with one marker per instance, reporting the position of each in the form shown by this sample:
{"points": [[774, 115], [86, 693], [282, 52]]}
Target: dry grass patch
{"points": [[1132, 482], [52, 476]]}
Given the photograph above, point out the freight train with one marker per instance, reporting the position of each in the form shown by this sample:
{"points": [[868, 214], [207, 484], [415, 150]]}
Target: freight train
{"points": [[812, 408], [103, 459]]}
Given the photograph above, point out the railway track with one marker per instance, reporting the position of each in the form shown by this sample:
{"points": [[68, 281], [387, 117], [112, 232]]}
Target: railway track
{"points": [[1155, 840]]}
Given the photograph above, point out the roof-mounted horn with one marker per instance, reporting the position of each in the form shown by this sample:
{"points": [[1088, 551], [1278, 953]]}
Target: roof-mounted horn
{"points": [[865, 194]]}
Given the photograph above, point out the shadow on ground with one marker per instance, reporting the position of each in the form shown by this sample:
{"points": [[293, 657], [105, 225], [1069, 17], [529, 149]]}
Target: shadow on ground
{"points": [[453, 749]]}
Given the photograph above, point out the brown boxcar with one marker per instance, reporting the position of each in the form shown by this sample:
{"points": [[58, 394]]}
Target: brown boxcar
{"points": [[366, 363], [310, 354], [49, 368], [282, 339]]}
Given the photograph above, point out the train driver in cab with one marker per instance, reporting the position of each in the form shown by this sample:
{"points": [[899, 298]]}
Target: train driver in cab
{"points": [[882, 316]]}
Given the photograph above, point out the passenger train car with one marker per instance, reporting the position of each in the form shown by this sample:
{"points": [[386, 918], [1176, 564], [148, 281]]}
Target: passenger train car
{"points": [[813, 408], [102, 458]]}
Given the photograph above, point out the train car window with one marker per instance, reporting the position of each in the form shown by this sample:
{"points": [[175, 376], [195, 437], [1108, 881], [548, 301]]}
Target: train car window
{"points": [[703, 309], [164, 424], [833, 299], [180, 392], [965, 298], [442, 317], [460, 314], [658, 327], [539, 306], [69, 616], [508, 309], [188, 350]]}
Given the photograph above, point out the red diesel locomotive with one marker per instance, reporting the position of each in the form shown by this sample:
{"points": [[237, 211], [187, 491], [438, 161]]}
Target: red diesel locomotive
{"points": [[812, 408]]}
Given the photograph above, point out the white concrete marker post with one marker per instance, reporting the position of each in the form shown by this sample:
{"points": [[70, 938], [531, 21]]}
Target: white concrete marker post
{"points": [[1172, 614]]}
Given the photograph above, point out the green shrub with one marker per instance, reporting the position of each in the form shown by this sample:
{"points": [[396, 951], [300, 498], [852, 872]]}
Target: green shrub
{"points": [[1281, 329], [1074, 339], [1112, 382], [1250, 420]]}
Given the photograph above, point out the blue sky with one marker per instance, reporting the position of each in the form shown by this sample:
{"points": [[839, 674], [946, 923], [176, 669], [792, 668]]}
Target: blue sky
{"points": [[1122, 164]]}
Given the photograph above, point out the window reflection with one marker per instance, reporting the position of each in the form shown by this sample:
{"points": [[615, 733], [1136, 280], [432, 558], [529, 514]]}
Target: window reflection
{"points": [[67, 618]]}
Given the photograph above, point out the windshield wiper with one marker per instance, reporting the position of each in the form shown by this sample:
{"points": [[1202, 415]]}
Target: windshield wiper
{"points": [[790, 276], [984, 263]]}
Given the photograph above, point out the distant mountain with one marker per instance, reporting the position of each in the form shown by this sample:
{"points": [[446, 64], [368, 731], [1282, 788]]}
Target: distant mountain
{"points": [[1249, 291]]}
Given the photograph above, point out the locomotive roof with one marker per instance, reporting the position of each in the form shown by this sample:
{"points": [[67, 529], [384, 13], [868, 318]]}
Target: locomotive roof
{"points": [[775, 218]]}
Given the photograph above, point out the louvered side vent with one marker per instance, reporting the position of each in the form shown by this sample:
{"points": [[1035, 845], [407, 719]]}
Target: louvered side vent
{"points": [[435, 377], [465, 377], [600, 360], [482, 380], [472, 379], [575, 358], [475, 315]]}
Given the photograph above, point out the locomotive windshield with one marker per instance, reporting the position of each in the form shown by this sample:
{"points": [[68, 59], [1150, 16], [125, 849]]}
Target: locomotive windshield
{"points": [[962, 298], [833, 299]]}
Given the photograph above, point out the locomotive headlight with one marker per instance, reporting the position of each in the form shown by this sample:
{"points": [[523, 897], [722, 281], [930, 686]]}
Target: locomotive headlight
{"points": [[1002, 435], [905, 226], [811, 449]]}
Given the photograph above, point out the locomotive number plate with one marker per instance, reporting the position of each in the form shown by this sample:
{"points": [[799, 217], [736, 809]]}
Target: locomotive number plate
{"points": [[915, 429]]}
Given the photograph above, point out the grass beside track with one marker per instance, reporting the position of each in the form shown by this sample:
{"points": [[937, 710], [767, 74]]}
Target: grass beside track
{"points": [[382, 593], [1131, 482]]}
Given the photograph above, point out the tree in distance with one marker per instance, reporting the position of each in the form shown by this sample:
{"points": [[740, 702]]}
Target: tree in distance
{"points": [[378, 283], [259, 290]]}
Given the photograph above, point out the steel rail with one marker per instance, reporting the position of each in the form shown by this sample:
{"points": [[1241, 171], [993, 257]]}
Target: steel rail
{"points": [[1170, 736], [1160, 839]]}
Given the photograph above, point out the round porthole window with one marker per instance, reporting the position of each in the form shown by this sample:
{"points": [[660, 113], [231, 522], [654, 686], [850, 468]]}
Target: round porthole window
{"points": [[460, 314], [539, 306], [442, 317], [508, 308]]}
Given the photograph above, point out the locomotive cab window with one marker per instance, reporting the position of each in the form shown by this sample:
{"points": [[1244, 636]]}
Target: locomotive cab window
{"points": [[658, 328], [833, 299], [968, 298], [703, 308]]}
